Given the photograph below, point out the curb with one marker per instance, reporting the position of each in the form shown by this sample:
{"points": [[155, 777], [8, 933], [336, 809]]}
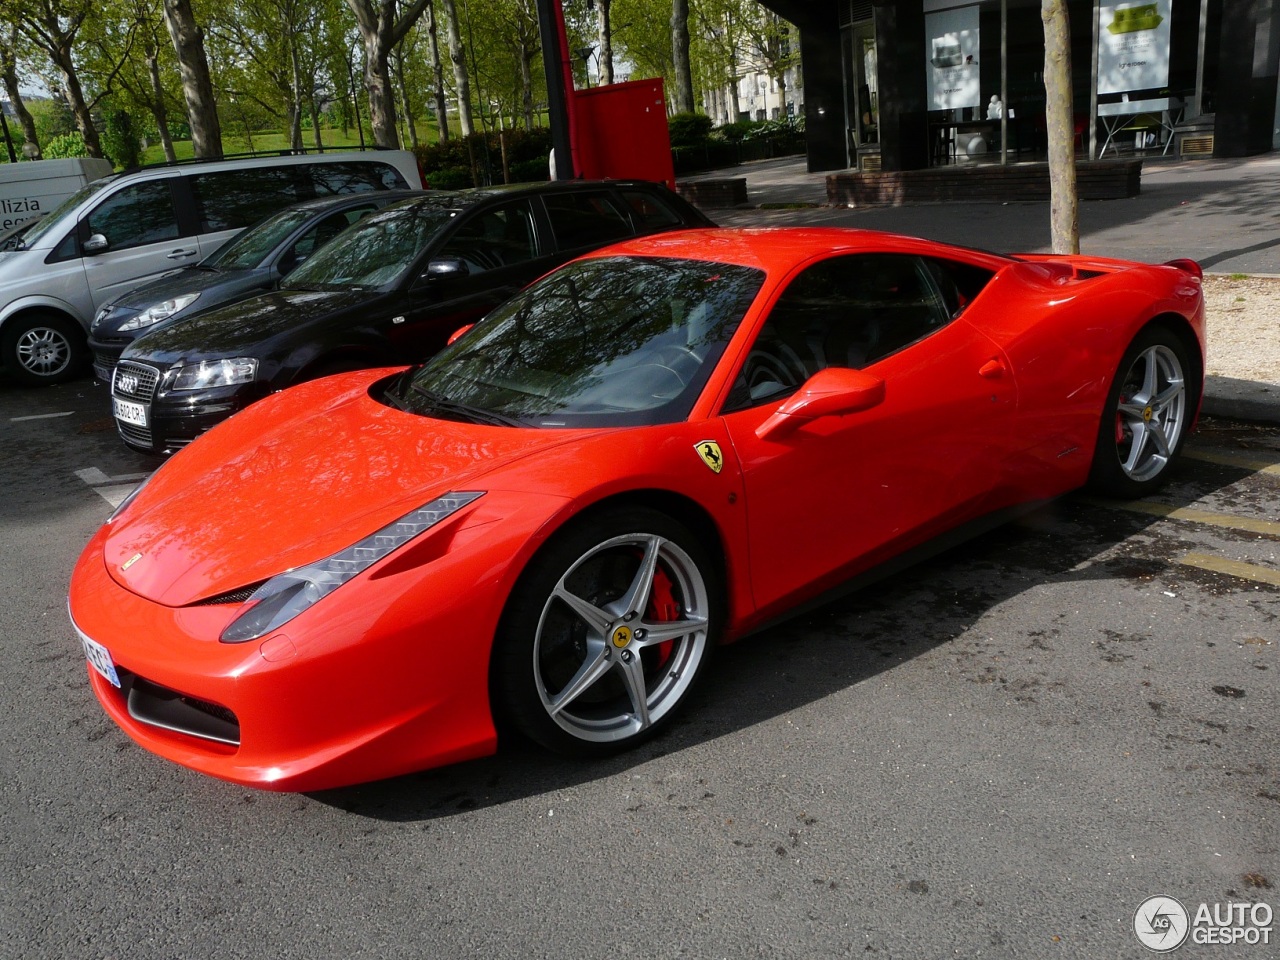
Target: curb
{"points": [[1234, 399]]}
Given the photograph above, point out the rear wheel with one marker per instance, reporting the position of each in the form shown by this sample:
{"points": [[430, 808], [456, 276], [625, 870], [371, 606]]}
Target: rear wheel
{"points": [[1147, 416], [607, 633], [43, 348]]}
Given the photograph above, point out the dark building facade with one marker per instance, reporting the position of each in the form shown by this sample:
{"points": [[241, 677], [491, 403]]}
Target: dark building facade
{"points": [[903, 84]]}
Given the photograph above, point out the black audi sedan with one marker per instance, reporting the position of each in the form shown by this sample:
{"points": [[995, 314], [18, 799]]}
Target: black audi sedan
{"points": [[251, 263], [390, 290]]}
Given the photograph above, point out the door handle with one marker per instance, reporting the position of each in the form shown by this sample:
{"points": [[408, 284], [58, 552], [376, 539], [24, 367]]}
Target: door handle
{"points": [[993, 369], [179, 254]]}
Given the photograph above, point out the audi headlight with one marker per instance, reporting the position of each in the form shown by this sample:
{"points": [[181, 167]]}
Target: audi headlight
{"points": [[214, 373], [285, 596], [158, 312]]}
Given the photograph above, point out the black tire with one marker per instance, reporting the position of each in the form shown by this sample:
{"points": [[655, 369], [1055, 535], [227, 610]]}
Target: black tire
{"points": [[544, 645], [1147, 416], [43, 348]]}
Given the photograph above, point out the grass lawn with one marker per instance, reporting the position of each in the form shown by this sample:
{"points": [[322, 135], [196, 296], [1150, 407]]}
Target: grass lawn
{"points": [[333, 138]]}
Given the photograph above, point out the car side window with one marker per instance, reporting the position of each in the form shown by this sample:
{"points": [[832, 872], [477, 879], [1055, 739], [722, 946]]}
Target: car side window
{"points": [[648, 211], [324, 231], [849, 311], [496, 237], [586, 218], [234, 199], [135, 216]]}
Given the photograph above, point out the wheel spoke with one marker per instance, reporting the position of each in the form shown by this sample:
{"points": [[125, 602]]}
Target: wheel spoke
{"points": [[1138, 444], [595, 618], [1156, 432], [1150, 375], [1131, 411], [1168, 395], [660, 631], [633, 676], [636, 599], [595, 666]]}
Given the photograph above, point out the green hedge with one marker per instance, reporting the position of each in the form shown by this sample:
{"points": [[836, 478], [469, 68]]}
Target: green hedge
{"points": [[450, 164]]}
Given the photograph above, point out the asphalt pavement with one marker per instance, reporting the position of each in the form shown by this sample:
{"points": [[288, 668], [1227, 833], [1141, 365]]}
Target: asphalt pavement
{"points": [[1225, 214]]}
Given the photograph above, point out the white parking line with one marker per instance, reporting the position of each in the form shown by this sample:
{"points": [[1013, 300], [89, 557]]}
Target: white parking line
{"points": [[41, 416], [111, 489]]}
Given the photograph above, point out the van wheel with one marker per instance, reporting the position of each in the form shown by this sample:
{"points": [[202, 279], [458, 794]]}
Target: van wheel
{"points": [[43, 348]]}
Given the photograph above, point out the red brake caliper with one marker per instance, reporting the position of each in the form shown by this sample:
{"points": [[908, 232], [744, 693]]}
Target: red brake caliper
{"points": [[663, 608], [1120, 423]]}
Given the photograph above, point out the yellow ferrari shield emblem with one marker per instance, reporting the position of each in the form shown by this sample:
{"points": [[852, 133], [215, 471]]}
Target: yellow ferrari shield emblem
{"points": [[709, 451], [621, 637]]}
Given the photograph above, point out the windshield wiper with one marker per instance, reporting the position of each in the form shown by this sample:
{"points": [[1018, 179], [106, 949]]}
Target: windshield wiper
{"points": [[474, 414]]}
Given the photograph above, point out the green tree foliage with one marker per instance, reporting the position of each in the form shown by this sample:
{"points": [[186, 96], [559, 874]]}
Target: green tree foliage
{"points": [[120, 139], [65, 145]]}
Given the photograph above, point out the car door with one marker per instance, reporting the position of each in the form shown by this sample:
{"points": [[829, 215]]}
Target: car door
{"points": [[489, 254], [139, 225], [840, 491]]}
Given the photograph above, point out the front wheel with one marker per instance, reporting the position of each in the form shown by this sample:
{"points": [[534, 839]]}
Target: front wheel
{"points": [[42, 348], [607, 633], [1147, 417]]}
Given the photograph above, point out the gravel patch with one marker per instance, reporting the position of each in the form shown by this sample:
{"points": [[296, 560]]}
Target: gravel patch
{"points": [[1243, 322]]}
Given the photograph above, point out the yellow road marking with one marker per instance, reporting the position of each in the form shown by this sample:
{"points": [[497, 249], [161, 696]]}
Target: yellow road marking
{"points": [[1232, 568], [1247, 524], [1234, 460]]}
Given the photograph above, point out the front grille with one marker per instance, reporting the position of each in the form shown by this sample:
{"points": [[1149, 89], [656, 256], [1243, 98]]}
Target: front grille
{"points": [[138, 436], [135, 381]]}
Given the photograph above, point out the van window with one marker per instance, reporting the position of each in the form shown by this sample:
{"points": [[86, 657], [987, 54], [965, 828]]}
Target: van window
{"points": [[327, 178], [136, 215], [234, 199]]}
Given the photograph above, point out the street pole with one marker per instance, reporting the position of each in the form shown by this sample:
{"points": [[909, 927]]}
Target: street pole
{"points": [[556, 65]]}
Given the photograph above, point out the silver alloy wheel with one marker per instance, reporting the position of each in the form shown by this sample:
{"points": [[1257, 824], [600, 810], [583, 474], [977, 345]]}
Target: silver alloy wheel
{"points": [[620, 637], [43, 351], [1151, 413]]}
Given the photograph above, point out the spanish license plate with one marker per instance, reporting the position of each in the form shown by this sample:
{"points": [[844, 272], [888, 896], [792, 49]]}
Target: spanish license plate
{"points": [[134, 413], [99, 658]]}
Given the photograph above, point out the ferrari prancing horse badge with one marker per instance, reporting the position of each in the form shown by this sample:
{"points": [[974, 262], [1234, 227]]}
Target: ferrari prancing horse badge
{"points": [[709, 451]]}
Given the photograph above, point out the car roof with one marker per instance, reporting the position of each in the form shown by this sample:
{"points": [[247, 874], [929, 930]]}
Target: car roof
{"points": [[340, 200]]}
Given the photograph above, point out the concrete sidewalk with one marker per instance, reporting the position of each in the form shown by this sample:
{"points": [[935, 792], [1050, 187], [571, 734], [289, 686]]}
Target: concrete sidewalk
{"points": [[1225, 214]]}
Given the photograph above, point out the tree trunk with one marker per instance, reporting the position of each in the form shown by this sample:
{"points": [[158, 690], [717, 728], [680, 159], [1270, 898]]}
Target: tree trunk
{"points": [[295, 96], [526, 83], [682, 82], [75, 98], [404, 101], [158, 109], [9, 70], [377, 81], [604, 58], [437, 77], [460, 76], [197, 87], [1064, 219], [315, 121]]}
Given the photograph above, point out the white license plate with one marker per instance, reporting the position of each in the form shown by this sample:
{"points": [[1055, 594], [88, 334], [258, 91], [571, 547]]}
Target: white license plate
{"points": [[134, 413], [99, 658]]}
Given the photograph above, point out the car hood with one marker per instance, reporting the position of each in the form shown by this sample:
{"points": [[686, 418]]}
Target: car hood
{"points": [[236, 329], [208, 283], [293, 479]]}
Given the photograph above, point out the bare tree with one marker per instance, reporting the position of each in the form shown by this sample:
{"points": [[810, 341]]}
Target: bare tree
{"points": [[380, 30], [197, 87], [1064, 213], [682, 85]]}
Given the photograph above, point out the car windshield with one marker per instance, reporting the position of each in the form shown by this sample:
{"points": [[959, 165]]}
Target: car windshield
{"points": [[613, 341], [50, 219], [250, 248], [376, 252]]}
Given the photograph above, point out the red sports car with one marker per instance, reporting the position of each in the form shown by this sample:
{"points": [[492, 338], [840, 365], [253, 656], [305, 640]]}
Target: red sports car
{"points": [[550, 526]]}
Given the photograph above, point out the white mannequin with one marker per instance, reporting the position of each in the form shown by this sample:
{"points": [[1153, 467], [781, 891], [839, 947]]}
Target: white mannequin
{"points": [[995, 109]]}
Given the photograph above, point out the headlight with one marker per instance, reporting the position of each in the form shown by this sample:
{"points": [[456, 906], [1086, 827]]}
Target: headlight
{"points": [[283, 597], [161, 311], [214, 373]]}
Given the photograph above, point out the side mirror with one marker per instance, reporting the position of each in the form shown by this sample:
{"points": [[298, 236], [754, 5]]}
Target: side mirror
{"points": [[96, 244], [832, 392], [447, 267]]}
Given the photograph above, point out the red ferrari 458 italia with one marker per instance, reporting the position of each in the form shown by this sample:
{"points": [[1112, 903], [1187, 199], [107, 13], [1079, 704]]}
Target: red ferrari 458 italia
{"points": [[550, 526]]}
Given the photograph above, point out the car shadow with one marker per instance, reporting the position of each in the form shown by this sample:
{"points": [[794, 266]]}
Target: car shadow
{"points": [[834, 647]]}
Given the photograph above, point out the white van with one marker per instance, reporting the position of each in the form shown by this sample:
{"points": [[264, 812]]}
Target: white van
{"points": [[32, 188], [120, 231]]}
